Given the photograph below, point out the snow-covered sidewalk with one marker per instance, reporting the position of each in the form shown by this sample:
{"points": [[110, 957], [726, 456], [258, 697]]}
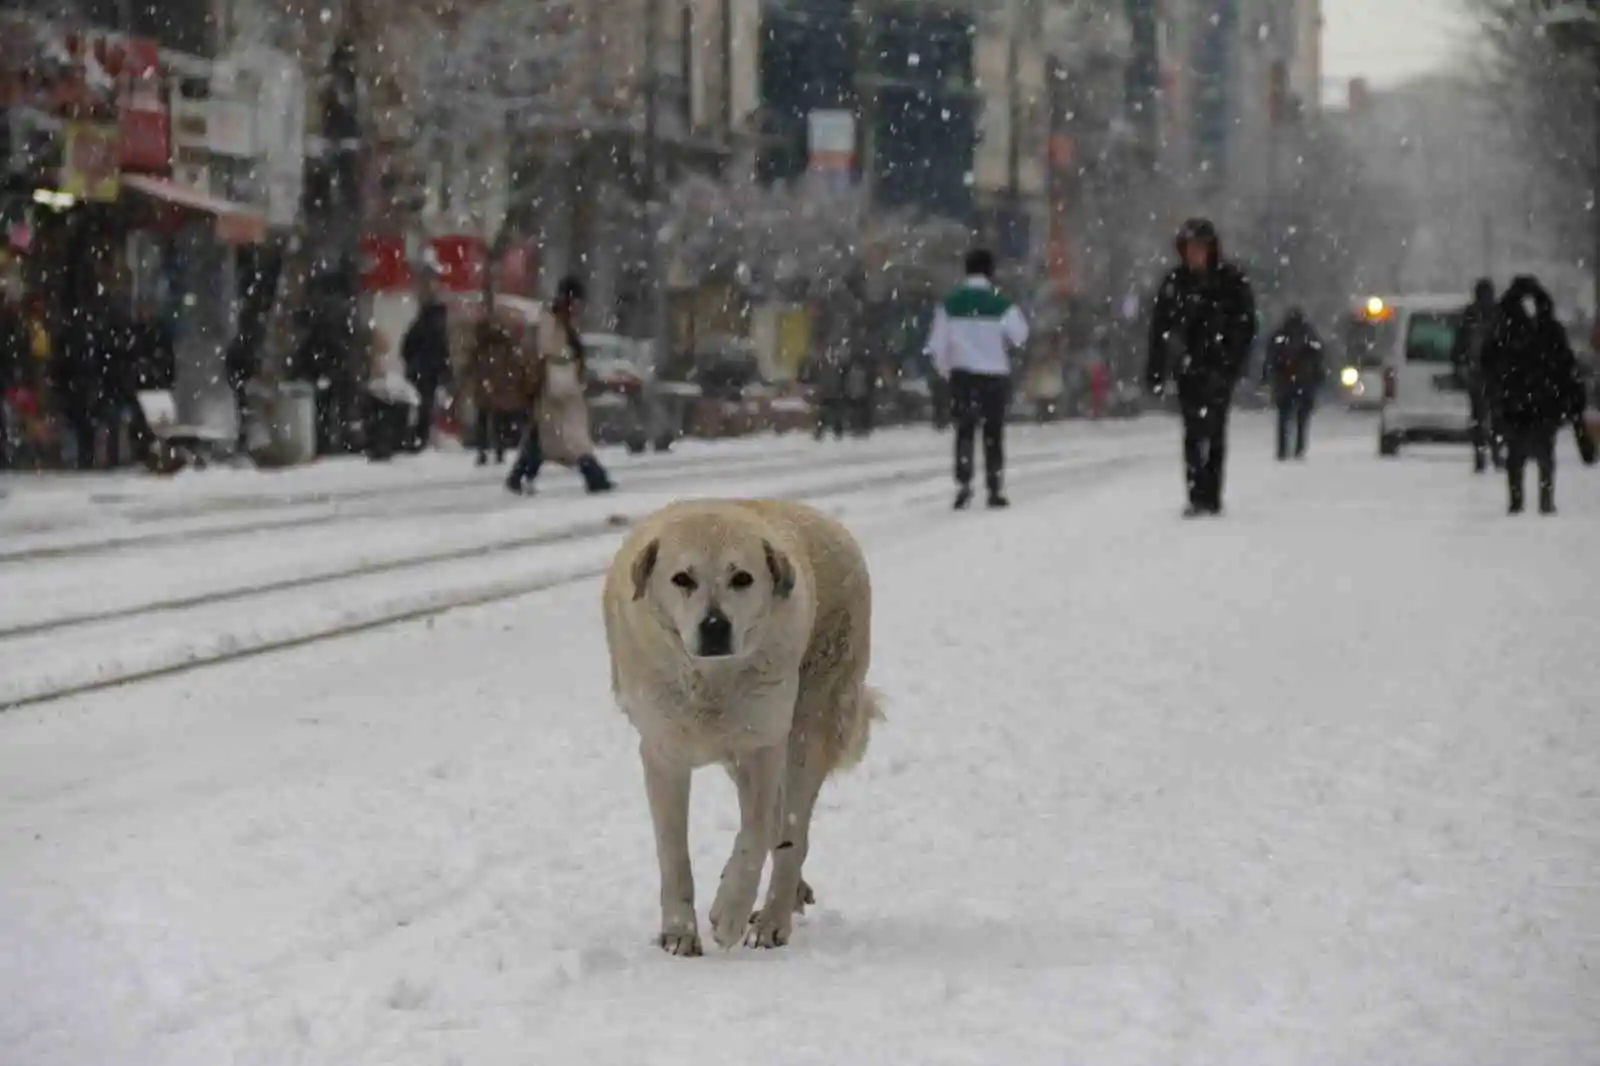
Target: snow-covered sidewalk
{"points": [[1314, 784]]}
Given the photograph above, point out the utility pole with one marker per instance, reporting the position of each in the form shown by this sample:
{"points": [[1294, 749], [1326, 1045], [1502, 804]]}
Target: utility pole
{"points": [[655, 215], [1012, 220], [1575, 25], [333, 214], [869, 79]]}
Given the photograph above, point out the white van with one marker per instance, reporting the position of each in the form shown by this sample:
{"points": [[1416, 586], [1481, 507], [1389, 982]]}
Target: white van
{"points": [[1423, 400]]}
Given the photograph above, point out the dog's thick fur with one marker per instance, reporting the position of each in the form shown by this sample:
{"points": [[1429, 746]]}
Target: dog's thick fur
{"points": [[784, 709]]}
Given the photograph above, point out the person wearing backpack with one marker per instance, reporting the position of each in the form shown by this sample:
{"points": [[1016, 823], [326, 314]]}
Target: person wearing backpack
{"points": [[1295, 371]]}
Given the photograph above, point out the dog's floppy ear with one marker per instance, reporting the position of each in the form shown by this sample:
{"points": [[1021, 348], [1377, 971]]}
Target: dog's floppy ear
{"points": [[644, 566], [781, 569]]}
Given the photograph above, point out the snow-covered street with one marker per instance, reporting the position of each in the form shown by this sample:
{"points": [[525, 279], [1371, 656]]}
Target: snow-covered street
{"points": [[1318, 783]]}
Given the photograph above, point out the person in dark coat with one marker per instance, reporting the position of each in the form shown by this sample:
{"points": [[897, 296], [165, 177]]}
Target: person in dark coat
{"points": [[1534, 386], [1295, 371], [1201, 330], [83, 373], [502, 376], [13, 364], [1466, 356], [425, 349], [825, 373]]}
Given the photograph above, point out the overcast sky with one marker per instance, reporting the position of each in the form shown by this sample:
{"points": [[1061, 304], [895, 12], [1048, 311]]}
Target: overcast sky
{"points": [[1387, 41]]}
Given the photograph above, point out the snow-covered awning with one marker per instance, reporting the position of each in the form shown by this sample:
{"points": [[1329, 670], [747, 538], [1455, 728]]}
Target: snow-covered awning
{"points": [[236, 223]]}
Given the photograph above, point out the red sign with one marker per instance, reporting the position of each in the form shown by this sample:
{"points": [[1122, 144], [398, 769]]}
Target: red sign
{"points": [[142, 110], [384, 267], [146, 139], [457, 261]]}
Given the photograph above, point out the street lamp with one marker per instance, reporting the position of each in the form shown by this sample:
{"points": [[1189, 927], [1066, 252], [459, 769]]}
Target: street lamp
{"points": [[1574, 26]]}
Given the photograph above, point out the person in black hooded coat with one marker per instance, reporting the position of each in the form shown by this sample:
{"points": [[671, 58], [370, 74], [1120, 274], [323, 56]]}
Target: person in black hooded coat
{"points": [[1201, 330], [1533, 385], [425, 350]]}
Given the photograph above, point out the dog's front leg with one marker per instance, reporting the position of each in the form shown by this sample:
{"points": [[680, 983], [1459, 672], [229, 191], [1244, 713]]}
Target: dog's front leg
{"points": [[667, 786], [759, 777]]}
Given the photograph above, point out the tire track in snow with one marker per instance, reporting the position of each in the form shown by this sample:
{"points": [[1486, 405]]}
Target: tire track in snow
{"points": [[442, 497], [573, 531], [231, 647]]}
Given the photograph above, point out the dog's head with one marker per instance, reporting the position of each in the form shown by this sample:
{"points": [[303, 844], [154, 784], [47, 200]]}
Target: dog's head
{"points": [[715, 582]]}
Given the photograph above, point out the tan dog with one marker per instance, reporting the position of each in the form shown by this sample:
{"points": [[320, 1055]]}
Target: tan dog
{"points": [[739, 633]]}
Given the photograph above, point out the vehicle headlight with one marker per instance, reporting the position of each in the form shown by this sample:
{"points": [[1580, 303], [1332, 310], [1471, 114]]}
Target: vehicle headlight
{"points": [[1350, 375]]}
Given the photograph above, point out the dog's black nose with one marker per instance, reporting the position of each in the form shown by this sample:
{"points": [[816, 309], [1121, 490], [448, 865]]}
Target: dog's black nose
{"points": [[716, 634]]}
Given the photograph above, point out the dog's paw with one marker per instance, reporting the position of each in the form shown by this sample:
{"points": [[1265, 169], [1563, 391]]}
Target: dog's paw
{"points": [[728, 921], [769, 928], [683, 945], [805, 898]]}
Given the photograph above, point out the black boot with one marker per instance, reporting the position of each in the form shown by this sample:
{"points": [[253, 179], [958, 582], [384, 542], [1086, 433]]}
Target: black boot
{"points": [[1547, 500], [963, 497], [595, 478]]}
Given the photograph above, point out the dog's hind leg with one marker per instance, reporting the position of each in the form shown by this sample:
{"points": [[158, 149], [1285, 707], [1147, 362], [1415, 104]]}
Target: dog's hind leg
{"points": [[760, 780], [667, 787], [787, 892]]}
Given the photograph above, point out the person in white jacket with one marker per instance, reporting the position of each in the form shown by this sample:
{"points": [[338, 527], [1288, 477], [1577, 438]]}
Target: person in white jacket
{"points": [[974, 330]]}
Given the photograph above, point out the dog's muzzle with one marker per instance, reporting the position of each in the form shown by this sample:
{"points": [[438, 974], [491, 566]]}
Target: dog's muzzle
{"points": [[716, 635]]}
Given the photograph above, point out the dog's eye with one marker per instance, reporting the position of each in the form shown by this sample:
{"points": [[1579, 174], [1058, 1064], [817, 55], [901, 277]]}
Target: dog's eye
{"points": [[741, 579], [684, 581]]}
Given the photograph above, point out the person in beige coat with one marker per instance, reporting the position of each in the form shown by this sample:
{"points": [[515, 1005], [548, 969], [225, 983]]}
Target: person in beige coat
{"points": [[559, 428]]}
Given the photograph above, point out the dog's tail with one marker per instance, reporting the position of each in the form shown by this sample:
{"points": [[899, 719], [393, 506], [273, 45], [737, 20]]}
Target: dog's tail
{"points": [[859, 711]]}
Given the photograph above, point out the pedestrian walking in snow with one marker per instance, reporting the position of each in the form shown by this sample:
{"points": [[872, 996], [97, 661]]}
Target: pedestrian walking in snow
{"points": [[824, 374], [558, 430], [425, 349], [969, 344], [1201, 330], [1534, 386], [13, 363], [502, 376], [1295, 371], [1466, 355]]}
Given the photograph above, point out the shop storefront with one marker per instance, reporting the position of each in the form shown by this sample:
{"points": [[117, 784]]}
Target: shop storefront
{"points": [[113, 238]]}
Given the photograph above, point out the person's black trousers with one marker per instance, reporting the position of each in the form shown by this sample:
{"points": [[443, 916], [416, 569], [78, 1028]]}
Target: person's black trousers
{"points": [[79, 414], [427, 389], [530, 458], [1486, 443], [1539, 444], [1294, 418], [830, 418], [980, 399], [1205, 448], [491, 433]]}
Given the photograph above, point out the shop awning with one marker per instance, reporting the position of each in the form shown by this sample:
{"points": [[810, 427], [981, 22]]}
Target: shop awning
{"points": [[236, 223]]}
